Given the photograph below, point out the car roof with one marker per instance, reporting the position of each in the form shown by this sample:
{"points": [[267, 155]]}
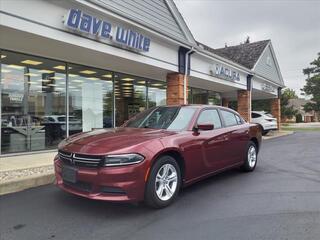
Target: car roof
{"points": [[202, 106]]}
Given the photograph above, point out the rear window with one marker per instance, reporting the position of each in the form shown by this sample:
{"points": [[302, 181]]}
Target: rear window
{"points": [[255, 115], [229, 118], [210, 116]]}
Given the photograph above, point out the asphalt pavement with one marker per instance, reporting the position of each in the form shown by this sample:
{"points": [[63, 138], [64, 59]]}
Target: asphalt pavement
{"points": [[279, 200]]}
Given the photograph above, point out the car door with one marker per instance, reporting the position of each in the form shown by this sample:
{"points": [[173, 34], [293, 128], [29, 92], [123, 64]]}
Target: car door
{"points": [[212, 141], [237, 137]]}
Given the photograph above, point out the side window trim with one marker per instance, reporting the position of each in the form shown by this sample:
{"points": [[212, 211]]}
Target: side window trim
{"points": [[219, 115], [222, 118]]}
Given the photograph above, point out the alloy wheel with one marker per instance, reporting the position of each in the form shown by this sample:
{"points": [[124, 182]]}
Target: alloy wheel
{"points": [[166, 182], [252, 156]]}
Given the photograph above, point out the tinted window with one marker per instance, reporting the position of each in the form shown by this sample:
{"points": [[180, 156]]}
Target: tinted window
{"points": [[255, 115], [210, 116], [51, 119], [229, 118]]}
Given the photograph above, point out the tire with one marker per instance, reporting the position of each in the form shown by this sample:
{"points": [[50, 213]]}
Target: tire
{"points": [[265, 132], [251, 158], [157, 194]]}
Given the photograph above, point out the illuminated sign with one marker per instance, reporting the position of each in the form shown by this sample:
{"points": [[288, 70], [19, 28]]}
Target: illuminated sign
{"points": [[15, 97], [104, 30]]}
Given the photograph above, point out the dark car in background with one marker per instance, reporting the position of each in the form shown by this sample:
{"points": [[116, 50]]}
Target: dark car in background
{"points": [[156, 153]]}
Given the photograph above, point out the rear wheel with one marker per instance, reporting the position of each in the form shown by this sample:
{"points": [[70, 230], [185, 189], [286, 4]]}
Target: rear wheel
{"points": [[250, 158], [164, 183]]}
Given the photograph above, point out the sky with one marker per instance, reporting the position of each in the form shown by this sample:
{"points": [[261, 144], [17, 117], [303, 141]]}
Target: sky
{"points": [[292, 25]]}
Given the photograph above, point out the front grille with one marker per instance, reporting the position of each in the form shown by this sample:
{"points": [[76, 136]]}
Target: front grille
{"points": [[80, 160], [82, 186]]}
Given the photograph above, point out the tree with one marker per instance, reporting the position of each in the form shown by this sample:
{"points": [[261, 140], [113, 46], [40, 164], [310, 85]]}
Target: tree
{"points": [[286, 95], [312, 87]]}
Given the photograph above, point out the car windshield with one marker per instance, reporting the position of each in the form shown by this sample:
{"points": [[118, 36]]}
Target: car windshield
{"points": [[171, 118]]}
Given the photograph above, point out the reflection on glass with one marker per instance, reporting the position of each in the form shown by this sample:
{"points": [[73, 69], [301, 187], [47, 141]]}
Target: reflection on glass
{"points": [[130, 95], [214, 98], [163, 117], [202, 96], [157, 93], [90, 99], [33, 103], [199, 96]]}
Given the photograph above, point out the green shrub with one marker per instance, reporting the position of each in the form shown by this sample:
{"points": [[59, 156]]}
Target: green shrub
{"points": [[299, 118]]}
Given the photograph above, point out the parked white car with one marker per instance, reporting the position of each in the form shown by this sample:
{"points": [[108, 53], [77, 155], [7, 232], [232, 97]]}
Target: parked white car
{"points": [[265, 120], [75, 124]]}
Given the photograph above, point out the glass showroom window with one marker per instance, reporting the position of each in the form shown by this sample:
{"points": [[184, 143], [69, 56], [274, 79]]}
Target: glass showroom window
{"points": [[90, 98], [157, 93], [199, 96], [130, 96], [33, 103], [214, 98]]}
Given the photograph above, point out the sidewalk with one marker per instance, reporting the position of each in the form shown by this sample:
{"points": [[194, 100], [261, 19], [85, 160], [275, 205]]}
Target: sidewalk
{"points": [[20, 172]]}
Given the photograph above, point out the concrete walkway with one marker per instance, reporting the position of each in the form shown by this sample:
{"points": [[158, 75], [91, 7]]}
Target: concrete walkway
{"points": [[20, 172]]}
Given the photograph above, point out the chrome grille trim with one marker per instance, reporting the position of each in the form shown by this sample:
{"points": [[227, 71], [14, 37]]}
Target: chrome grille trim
{"points": [[89, 159], [80, 160]]}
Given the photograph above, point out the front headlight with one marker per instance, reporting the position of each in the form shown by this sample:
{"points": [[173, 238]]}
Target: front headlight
{"points": [[122, 159]]}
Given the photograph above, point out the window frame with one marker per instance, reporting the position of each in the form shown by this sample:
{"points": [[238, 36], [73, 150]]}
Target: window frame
{"points": [[210, 108], [234, 113]]}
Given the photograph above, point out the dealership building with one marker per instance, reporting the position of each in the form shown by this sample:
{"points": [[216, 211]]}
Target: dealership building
{"points": [[75, 65]]}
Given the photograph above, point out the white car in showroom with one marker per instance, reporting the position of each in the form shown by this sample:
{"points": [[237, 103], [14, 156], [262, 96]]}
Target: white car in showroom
{"points": [[266, 121]]}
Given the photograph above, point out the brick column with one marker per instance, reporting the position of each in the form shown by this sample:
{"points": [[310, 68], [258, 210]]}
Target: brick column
{"points": [[175, 88], [276, 110], [244, 104], [225, 102]]}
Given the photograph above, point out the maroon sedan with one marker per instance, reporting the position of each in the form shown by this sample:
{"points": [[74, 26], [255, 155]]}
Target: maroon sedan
{"points": [[156, 153]]}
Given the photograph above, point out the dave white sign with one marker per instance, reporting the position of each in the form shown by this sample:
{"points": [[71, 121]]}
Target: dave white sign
{"points": [[104, 30], [224, 72]]}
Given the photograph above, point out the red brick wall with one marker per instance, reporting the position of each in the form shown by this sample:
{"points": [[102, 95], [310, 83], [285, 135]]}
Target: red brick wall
{"points": [[175, 88], [244, 104], [225, 102], [276, 110], [307, 119]]}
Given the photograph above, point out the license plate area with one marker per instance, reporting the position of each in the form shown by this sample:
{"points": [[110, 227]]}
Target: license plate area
{"points": [[69, 174]]}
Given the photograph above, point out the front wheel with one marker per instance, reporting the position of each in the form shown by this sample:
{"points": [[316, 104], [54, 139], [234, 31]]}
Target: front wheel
{"points": [[164, 183], [250, 158]]}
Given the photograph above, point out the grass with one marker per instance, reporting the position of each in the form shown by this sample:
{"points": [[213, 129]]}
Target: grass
{"points": [[308, 129]]}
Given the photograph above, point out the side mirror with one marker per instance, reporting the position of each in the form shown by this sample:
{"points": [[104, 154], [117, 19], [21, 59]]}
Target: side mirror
{"points": [[205, 126]]}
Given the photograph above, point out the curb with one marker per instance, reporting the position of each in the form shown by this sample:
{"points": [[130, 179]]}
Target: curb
{"points": [[17, 185], [287, 133]]}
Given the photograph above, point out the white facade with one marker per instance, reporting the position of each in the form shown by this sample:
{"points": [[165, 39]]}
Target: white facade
{"points": [[40, 29], [37, 27]]}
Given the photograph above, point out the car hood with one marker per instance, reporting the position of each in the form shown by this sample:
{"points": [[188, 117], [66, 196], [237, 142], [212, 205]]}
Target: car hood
{"points": [[108, 140]]}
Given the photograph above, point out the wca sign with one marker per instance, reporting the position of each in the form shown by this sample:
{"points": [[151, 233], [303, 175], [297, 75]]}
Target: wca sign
{"points": [[85, 23], [225, 73]]}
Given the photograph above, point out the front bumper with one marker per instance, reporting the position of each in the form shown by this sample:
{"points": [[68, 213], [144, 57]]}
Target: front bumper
{"points": [[125, 183]]}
